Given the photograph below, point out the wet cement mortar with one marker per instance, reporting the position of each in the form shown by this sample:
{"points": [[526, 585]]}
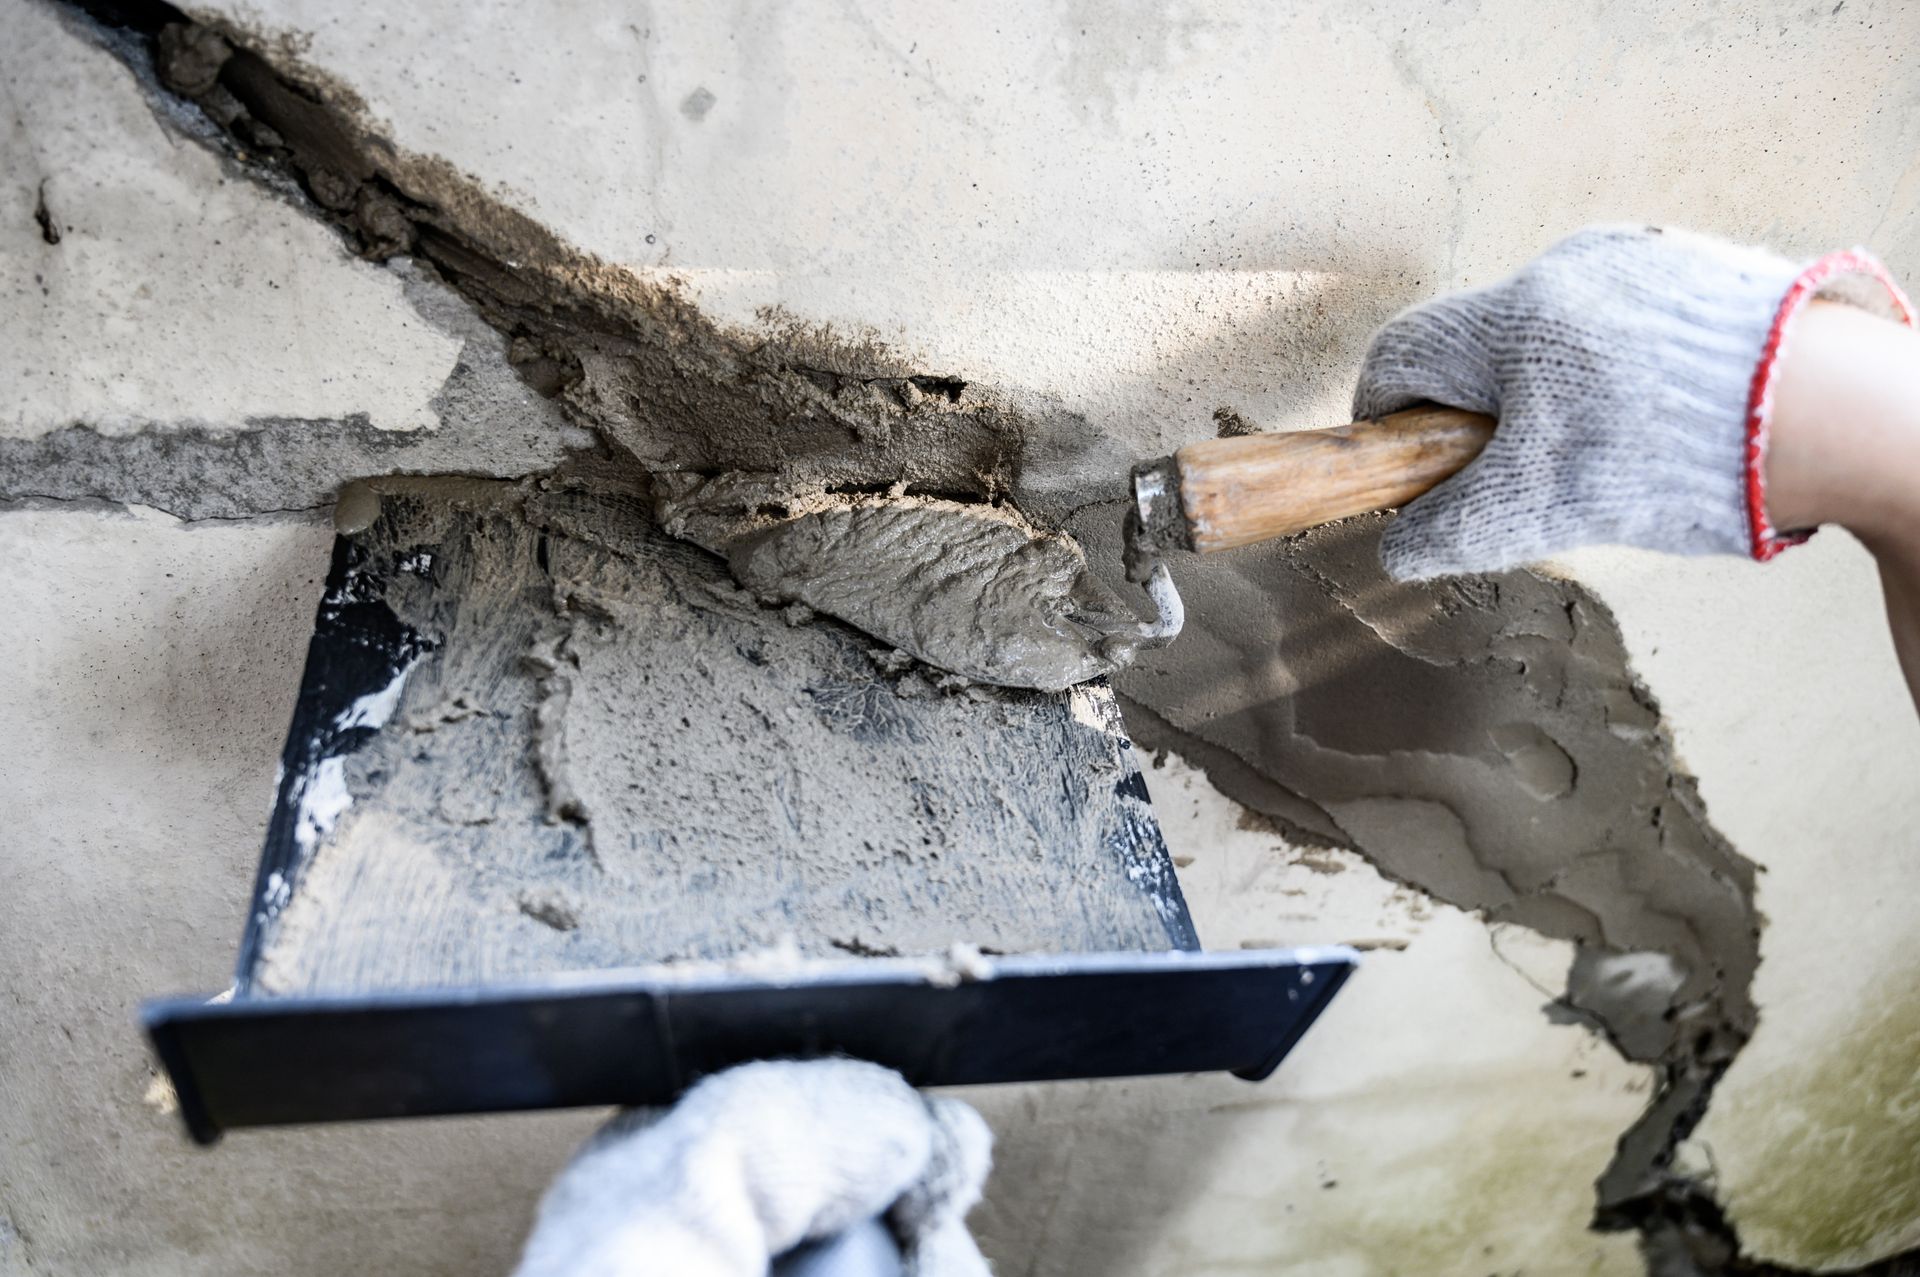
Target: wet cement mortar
{"points": [[595, 725], [971, 588], [1482, 739]]}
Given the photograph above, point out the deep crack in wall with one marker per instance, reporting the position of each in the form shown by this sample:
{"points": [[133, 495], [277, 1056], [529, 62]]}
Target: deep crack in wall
{"points": [[1482, 740]]}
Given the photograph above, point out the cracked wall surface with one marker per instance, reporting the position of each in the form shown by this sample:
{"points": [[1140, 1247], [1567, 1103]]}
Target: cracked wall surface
{"points": [[1059, 242]]}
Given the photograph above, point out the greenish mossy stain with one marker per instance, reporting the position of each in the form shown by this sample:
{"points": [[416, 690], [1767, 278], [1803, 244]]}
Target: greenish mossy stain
{"points": [[1511, 1202], [1835, 1179]]}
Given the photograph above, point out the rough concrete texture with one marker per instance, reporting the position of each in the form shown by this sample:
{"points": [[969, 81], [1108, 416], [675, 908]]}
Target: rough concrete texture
{"points": [[128, 308], [1058, 241]]}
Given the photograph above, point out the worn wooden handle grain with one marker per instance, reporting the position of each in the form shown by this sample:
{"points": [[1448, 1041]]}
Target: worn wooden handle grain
{"points": [[1251, 488]]}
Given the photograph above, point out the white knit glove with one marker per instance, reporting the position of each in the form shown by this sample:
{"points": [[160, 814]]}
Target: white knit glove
{"points": [[1620, 364], [754, 1161]]}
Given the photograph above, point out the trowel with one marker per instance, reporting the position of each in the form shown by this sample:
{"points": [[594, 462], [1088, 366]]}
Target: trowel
{"points": [[1124, 989], [1008, 913], [976, 591], [1222, 494]]}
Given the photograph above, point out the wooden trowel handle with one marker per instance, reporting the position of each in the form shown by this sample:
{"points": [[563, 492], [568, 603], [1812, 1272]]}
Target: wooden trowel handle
{"points": [[1250, 488]]}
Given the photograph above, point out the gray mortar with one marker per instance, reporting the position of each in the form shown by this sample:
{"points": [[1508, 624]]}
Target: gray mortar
{"points": [[970, 588], [1482, 739], [1424, 726], [629, 357], [612, 754]]}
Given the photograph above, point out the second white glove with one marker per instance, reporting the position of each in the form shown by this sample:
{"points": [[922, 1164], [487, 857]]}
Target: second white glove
{"points": [[754, 1161]]}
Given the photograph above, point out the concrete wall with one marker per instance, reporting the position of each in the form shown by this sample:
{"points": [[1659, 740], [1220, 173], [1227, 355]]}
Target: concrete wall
{"points": [[1108, 221]]}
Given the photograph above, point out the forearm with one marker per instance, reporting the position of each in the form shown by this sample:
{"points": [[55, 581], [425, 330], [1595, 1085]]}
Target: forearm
{"points": [[1845, 449], [1900, 581]]}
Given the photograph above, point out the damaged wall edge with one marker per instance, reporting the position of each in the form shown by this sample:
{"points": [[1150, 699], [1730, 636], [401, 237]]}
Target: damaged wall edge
{"points": [[1451, 707], [632, 358]]}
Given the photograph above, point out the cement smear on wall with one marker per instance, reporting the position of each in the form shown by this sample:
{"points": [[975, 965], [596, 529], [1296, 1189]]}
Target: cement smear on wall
{"points": [[1482, 740]]}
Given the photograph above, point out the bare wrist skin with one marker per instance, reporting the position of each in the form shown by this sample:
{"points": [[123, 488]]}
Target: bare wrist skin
{"points": [[1845, 449], [1845, 442]]}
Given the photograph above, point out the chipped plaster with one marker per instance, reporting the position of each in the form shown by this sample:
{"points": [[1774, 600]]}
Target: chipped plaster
{"points": [[142, 315]]}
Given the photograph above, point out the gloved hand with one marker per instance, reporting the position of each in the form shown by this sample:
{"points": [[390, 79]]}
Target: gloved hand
{"points": [[756, 1160], [1630, 369]]}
